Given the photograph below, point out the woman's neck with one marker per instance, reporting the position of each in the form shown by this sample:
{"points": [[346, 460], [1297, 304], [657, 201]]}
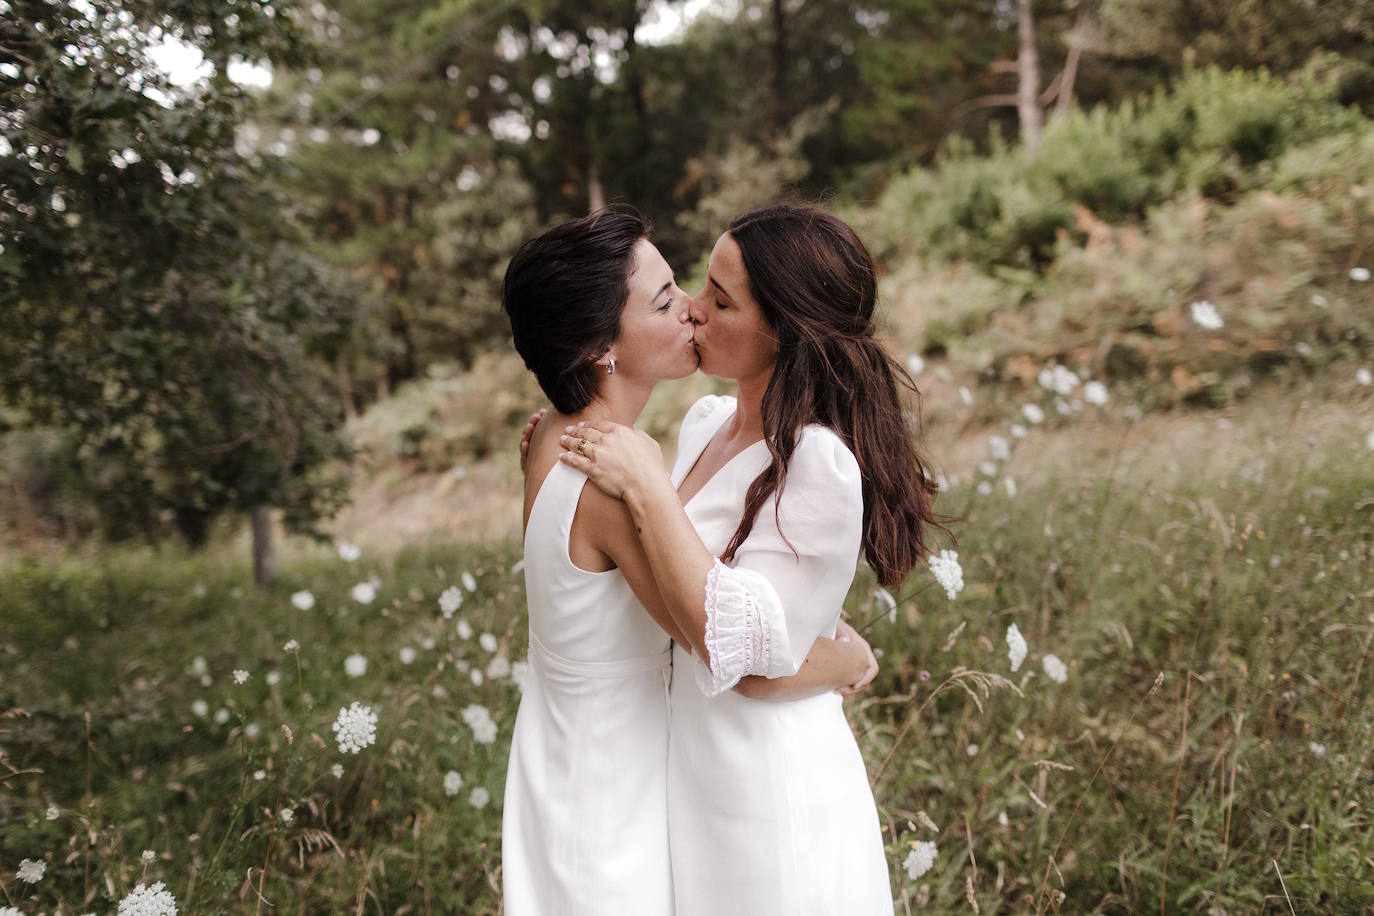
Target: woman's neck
{"points": [[619, 403], [747, 424]]}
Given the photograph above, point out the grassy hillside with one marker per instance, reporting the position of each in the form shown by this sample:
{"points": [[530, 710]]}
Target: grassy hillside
{"points": [[1231, 555]]}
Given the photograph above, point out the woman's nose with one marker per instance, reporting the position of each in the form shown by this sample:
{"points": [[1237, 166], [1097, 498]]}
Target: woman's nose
{"points": [[695, 313]]}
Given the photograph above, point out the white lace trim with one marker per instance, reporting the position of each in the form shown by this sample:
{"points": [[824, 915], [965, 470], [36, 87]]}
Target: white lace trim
{"points": [[739, 640]]}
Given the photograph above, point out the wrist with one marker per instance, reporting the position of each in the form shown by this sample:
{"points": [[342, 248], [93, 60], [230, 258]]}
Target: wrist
{"points": [[643, 495]]}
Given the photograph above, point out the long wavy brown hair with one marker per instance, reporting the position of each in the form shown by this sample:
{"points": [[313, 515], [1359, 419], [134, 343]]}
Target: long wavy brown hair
{"points": [[817, 287]]}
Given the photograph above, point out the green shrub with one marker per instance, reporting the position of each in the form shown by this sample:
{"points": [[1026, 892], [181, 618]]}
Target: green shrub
{"points": [[1215, 132]]}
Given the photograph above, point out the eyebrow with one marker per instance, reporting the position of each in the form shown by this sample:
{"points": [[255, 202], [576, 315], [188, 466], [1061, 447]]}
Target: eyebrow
{"points": [[717, 285], [662, 289]]}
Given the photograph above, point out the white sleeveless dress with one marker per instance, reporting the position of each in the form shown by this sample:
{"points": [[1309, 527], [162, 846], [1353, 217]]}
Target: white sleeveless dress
{"points": [[769, 807], [585, 819]]}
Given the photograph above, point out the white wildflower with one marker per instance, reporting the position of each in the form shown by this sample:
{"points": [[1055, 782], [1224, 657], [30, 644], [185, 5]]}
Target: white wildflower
{"points": [[355, 728], [31, 872], [453, 781], [469, 582], [287, 815], [1095, 393], [53, 813], [148, 901], [886, 602], [988, 469], [476, 677], [479, 719], [252, 730], [947, 571], [1016, 647], [407, 655], [1319, 301], [336, 771], [364, 592], [519, 674], [1033, 414], [427, 643], [487, 642], [198, 666], [221, 716], [200, 708], [259, 775], [464, 630], [303, 600], [1205, 315], [349, 552], [1010, 485], [1058, 379], [450, 600], [355, 665], [1364, 377], [498, 667], [240, 676], [1055, 669], [971, 750], [1003, 819], [148, 855], [1018, 431], [999, 447], [965, 395], [291, 646], [920, 860], [1318, 749], [479, 797], [1359, 274], [984, 488], [273, 678], [915, 365]]}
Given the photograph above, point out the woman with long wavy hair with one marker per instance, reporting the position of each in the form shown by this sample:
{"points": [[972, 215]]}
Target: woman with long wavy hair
{"points": [[753, 540]]}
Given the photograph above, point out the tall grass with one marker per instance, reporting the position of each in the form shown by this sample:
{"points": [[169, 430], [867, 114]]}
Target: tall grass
{"points": [[1247, 586]]}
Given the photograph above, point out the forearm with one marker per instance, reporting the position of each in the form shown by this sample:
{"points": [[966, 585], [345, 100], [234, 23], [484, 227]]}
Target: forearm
{"points": [[830, 665], [680, 561]]}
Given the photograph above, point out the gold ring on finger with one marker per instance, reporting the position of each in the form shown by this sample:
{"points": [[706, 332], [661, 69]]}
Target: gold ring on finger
{"points": [[582, 446]]}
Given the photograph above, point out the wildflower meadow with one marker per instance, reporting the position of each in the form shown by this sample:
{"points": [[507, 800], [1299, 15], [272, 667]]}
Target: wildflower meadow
{"points": [[1138, 682]]}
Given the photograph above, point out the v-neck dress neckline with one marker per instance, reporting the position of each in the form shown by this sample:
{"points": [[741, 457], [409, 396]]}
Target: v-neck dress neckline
{"points": [[720, 471]]}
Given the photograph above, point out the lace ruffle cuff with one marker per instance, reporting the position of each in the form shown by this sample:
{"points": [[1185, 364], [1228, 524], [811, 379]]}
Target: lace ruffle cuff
{"points": [[745, 632]]}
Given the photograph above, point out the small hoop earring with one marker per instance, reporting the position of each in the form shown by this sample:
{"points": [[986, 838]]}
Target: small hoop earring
{"points": [[610, 367]]}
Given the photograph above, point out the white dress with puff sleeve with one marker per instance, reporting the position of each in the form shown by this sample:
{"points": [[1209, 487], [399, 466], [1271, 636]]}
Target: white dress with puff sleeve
{"points": [[769, 806]]}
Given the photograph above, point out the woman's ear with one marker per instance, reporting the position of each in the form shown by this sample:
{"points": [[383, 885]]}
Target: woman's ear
{"points": [[607, 362]]}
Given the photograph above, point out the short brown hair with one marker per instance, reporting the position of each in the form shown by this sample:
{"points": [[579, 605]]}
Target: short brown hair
{"points": [[564, 292]]}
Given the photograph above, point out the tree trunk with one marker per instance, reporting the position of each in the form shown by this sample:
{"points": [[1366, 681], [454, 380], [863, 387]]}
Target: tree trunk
{"points": [[346, 389], [779, 70], [596, 195], [264, 562], [634, 78], [1065, 101], [1028, 88]]}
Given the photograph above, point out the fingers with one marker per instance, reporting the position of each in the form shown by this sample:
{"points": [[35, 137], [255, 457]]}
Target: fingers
{"points": [[574, 460], [580, 441], [869, 674]]}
